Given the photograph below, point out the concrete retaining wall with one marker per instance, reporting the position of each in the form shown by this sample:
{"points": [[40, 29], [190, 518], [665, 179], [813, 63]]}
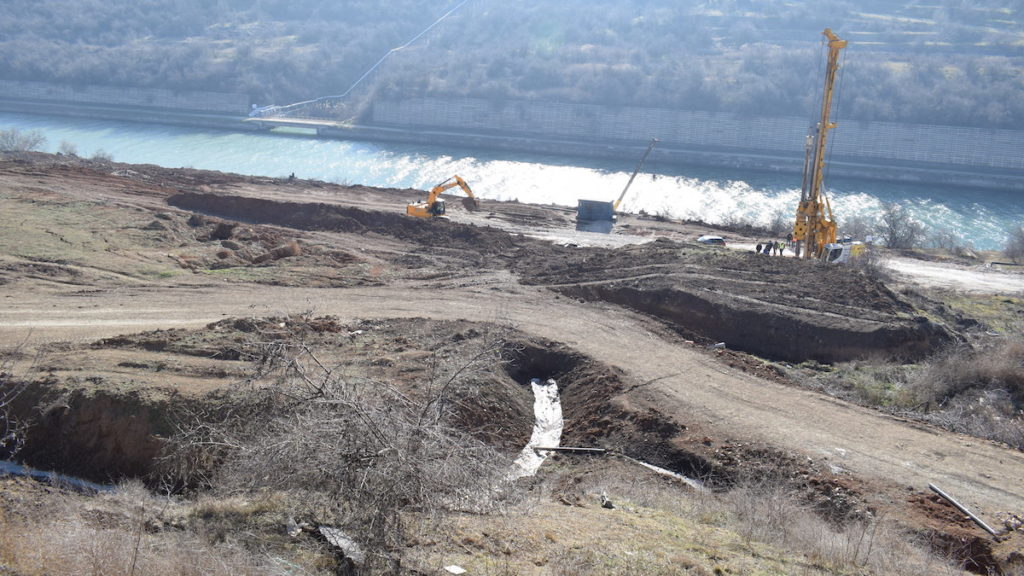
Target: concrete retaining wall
{"points": [[945, 146]]}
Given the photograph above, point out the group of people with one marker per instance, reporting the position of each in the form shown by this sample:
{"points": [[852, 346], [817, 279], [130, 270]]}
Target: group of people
{"points": [[770, 248]]}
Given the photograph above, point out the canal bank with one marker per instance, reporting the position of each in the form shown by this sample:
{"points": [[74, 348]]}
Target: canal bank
{"points": [[229, 117]]}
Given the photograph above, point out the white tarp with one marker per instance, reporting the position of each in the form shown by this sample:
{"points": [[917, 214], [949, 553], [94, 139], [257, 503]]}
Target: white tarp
{"points": [[547, 428]]}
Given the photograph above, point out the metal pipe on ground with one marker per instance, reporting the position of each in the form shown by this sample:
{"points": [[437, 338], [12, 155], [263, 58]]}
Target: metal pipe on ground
{"points": [[963, 509], [571, 449]]}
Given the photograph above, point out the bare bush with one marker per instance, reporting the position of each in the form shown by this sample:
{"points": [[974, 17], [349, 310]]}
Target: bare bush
{"points": [[978, 392], [858, 227], [948, 241], [67, 148], [1014, 249], [102, 155], [356, 453], [871, 264], [898, 229], [10, 388], [15, 140], [780, 223]]}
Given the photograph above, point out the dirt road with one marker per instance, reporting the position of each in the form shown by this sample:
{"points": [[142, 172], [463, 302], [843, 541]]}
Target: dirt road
{"points": [[690, 386], [986, 279]]}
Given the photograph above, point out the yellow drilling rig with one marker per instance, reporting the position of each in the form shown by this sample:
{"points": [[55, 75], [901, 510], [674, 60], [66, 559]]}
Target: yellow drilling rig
{"points": [[815, 226]]}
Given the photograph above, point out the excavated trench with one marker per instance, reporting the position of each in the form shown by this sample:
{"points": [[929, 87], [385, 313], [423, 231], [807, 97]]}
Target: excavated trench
{"points": [[765, 331], [91, 433], [596, 418]]}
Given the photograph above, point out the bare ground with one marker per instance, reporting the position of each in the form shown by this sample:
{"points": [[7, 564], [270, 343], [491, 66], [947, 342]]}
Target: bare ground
{"points": [[115, 280]]}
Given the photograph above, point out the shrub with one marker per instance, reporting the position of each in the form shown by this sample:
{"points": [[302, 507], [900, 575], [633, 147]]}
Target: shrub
{"points": [[998, 366], [1015, 245], [14, 140], [358, 454], [68, 148], [899, 230], [858, 227], [102, 155], [871, 264], [977, 392]]}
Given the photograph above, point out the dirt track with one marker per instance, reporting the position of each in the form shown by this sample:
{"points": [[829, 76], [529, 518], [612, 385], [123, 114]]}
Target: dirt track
{"points": [[691, 386], [358, 273]]}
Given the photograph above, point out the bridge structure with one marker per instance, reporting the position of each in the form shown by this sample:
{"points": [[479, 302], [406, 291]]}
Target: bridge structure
{"points": [[320, 114]]}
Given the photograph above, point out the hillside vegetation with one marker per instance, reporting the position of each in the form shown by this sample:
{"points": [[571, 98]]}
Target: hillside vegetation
{"points": [[946, 62]]}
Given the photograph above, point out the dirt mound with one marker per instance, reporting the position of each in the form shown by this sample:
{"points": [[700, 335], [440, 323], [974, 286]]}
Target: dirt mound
{"points": [[334, 218], [779, 308]]}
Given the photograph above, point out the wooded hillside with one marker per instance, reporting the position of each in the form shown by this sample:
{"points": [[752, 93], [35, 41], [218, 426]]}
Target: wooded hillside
{"points": [[948, 62]]}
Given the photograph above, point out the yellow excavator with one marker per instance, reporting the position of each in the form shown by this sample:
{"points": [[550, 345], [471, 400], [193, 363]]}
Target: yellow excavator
{"points": [[815, 227], [434, 204]]}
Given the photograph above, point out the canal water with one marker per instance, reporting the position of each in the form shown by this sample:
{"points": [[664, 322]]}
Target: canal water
{"points": [[979, 217]]}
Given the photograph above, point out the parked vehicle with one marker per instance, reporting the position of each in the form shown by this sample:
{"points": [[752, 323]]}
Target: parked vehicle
{"points": [[840, 252], [712, 240]]}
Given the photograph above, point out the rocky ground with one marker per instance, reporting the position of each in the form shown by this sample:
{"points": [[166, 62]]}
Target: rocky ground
{"points": [[129, 292]]}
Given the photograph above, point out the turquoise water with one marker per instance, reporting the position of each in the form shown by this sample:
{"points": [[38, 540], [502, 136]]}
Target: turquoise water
{"points": [[979, 217]]}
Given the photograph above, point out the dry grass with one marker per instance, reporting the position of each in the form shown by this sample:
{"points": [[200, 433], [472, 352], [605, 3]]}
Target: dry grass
{"points": [[976, 391], [770, 513], [659, 526], [118, 534]]}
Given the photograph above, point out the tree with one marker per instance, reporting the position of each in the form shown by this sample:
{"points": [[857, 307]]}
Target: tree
{"points": [[14, 140], [858, 227], [899, 230], [1015, 244]]}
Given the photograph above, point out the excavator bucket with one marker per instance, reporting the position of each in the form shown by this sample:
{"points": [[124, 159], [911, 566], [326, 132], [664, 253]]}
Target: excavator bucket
{"points": [[471, 204]]}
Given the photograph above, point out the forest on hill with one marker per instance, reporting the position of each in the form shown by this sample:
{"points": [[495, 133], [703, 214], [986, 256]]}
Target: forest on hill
{"points": [[955, 62]]}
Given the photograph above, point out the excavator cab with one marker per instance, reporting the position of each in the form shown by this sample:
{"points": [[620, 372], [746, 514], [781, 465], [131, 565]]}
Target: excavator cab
{"points": [[437, 208]]}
